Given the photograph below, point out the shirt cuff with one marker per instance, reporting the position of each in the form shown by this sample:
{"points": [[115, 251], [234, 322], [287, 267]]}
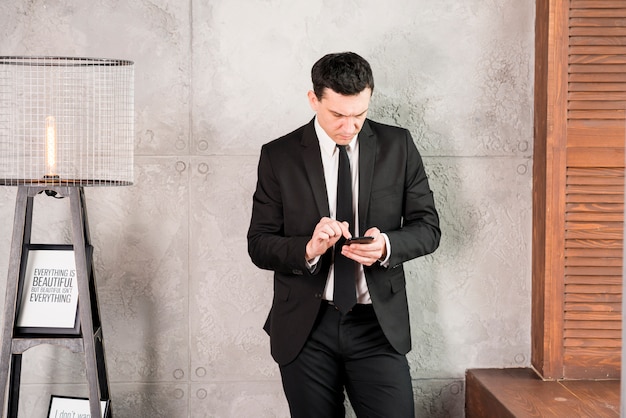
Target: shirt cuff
{"points": [[385, 262], [312, 264]]}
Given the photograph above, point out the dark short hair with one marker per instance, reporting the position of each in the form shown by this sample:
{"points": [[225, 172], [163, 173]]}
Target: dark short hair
{"points": [[345, 73]]}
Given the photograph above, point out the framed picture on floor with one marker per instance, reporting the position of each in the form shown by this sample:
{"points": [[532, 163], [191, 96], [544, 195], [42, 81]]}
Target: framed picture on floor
{"points": [[69, 407]]}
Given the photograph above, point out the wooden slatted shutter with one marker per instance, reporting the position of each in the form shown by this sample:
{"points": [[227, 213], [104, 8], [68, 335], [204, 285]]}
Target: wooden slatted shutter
{"points": [[579, 189]]}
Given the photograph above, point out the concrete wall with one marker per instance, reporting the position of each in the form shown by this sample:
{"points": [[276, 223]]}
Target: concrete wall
{"points": [[182, 305]]}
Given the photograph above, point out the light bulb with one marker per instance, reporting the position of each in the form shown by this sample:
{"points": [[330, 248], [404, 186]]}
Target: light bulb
{"points": [[51, 148]]}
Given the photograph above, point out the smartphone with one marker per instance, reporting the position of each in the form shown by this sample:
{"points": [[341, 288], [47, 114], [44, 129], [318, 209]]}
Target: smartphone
{"points": [[359, 240]]}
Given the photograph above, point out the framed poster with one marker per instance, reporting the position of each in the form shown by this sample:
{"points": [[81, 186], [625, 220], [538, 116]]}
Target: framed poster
{"points": [[68, 407], [49, 291]]}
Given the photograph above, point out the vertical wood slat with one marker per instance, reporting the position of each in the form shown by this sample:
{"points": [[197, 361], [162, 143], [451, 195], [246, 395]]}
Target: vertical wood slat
{"points": [[549, 158], [538, 312]]}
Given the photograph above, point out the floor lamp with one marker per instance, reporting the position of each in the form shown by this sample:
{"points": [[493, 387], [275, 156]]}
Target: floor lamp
{"points": [[65, 124]]}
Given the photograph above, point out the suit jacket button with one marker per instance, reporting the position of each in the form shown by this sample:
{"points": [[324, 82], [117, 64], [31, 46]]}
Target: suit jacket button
{"points": [[318, 296]]}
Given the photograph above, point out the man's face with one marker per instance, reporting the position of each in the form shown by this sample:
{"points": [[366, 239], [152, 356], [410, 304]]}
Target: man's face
{"points": [[341, 116]]}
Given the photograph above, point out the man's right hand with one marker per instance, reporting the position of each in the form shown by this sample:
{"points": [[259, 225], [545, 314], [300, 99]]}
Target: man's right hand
{"points": [[327, 232]]}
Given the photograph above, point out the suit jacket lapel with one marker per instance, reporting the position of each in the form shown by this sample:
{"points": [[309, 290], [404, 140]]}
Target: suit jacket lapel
{"points": [[314, 168], [367, 157]]}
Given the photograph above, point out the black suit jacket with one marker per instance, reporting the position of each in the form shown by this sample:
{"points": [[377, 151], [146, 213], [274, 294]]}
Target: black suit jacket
{"points": [[291, 198]]}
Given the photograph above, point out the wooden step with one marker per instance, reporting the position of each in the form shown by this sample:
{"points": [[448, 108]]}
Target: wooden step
{"points": [[504, 393]]}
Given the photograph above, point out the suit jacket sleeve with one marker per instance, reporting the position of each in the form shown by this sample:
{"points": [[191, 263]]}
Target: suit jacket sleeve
{"points": [[268, 247], [419, 233], [395, 195], [289, 200]]}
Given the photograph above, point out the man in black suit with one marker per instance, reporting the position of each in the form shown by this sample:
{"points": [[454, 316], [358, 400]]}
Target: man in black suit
{"points": [[326, 338]]}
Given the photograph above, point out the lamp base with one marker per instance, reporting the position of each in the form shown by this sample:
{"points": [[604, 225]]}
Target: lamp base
{"points": [[57, 181]]}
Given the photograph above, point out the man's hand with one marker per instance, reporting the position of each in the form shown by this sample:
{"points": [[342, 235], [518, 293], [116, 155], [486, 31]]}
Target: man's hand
{"points": [[327, 232], [370, 253]]}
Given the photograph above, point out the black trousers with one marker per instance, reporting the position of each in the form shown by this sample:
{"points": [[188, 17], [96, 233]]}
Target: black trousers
{"points": [[348, 351]]}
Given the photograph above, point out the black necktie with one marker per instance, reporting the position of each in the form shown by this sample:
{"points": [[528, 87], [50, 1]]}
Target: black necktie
{"points": [[344, 291]]}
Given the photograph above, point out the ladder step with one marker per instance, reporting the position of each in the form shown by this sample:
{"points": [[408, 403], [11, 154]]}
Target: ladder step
{"points": [[20, 345]]}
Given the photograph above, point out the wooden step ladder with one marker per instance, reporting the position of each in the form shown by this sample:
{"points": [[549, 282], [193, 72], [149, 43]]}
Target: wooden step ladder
{"points": [[89, 339]]}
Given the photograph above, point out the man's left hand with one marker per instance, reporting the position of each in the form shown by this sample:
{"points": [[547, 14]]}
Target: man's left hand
{"points": [[370, 253]]}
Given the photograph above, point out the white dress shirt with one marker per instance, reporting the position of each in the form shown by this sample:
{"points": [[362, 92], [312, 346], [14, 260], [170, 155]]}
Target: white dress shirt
{"points": [[330, 161]]}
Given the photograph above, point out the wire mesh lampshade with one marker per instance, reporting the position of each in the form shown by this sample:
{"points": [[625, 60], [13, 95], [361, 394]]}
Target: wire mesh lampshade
{"points": [[66, 121]]}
